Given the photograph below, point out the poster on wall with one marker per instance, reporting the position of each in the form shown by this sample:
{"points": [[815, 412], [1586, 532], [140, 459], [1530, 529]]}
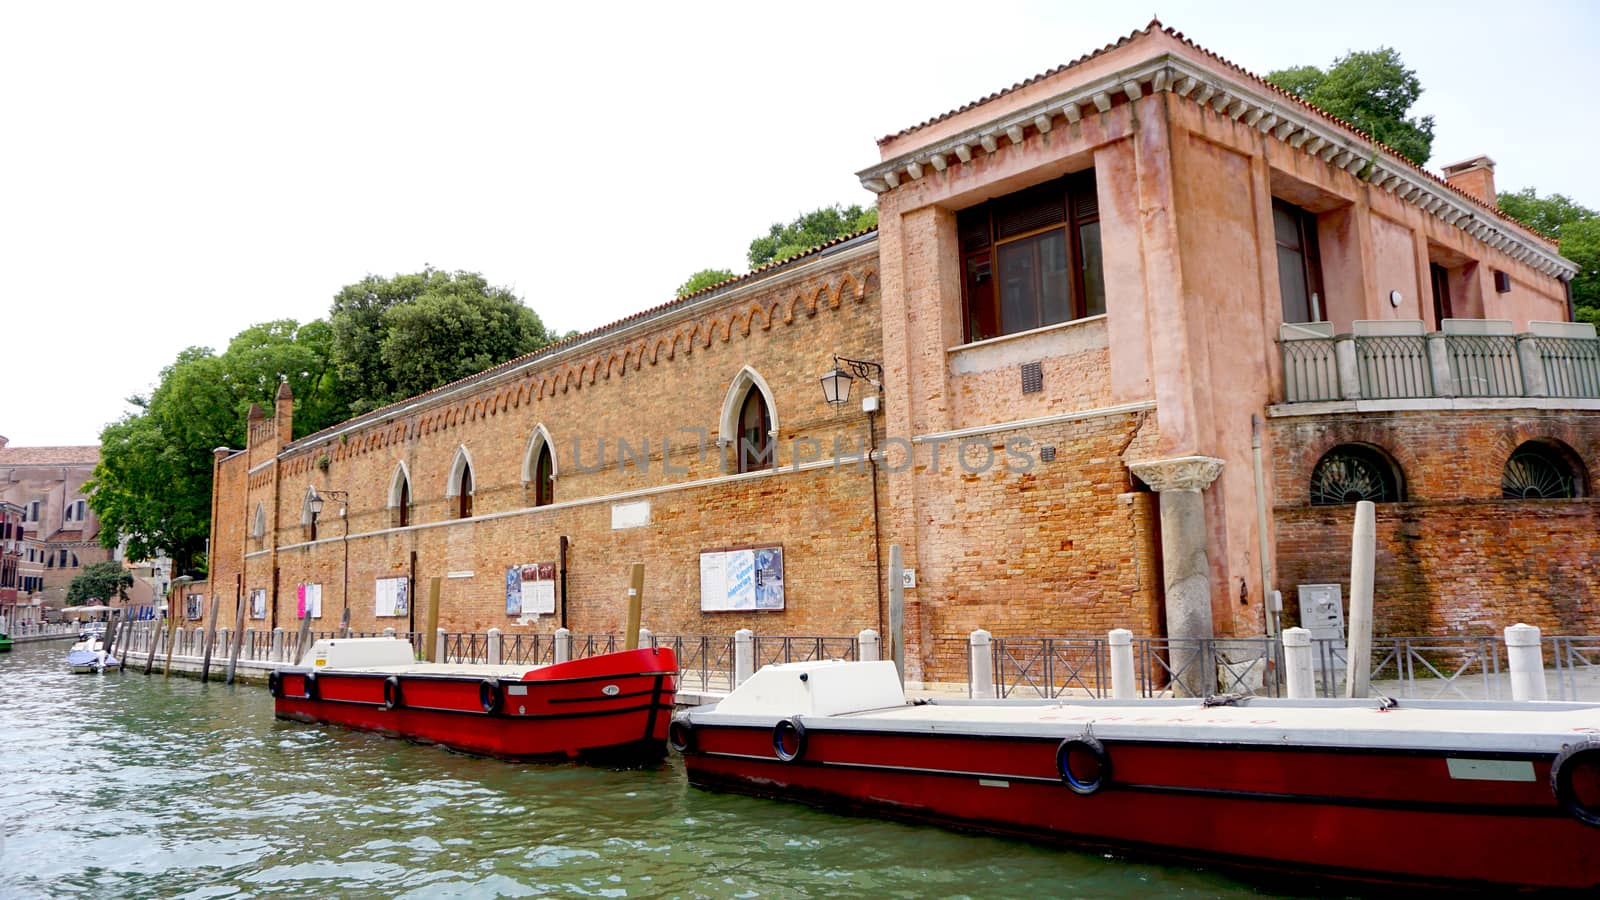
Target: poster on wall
{"points": [[308, 601], [258, 603], [531, 589], [747, 578], [191, 605], [391, 594]]}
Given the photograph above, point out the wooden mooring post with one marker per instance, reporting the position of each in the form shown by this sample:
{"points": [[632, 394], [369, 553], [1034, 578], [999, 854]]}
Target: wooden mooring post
{"points": [[630, 636], [238, 629], [211, 640]]}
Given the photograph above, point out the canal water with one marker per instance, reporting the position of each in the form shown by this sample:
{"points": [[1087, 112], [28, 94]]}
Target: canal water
{"points": [[127, 786]]}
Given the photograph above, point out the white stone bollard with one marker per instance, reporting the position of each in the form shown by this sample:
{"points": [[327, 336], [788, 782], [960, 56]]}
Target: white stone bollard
{"points": [[441, 644], [646, 639], [744, 655], [494, 647], [1302, 684], [1123, 684], [1363, 553], [388, 632], [277, 645], [980, 649], [563, 645], [224, 639], [868, 641], [1527, 663]]}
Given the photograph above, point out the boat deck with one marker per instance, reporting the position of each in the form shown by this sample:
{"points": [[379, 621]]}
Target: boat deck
{"points": [[1478, 726], [439, 670]]}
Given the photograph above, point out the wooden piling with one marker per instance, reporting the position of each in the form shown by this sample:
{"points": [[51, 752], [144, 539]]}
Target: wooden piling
{"points": [[302, 643], [211, 640], [238, 630], [430, 648], [635, 605]]}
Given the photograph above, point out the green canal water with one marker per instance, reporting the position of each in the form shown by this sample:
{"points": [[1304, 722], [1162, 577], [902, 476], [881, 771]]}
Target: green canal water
{"points": [[127, 786]]}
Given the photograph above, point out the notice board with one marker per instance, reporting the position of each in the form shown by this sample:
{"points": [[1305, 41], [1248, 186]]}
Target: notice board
{"points": [[741, 578]]}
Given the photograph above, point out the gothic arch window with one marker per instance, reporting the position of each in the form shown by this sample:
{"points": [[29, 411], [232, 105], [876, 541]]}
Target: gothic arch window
{"points": [[258, 527], [459, 490], [1542, 470], [400, 497], [308, 519], [1352, 472], [749, 422], [539, 467]]}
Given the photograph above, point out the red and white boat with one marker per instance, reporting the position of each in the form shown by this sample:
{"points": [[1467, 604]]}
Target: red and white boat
{"points": [[615, 706], [1474, 794]]}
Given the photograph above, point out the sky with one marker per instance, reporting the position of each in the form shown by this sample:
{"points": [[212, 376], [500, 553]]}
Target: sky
{"points": [[171, 174]]}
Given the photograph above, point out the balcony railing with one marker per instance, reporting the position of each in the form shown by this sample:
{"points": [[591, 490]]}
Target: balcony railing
{"points": [[1397, 360]]}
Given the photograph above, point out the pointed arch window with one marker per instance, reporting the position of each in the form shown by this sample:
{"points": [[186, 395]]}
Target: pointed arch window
{"points": [[400, 498], [755, 433], [459, 490], [308, 516], [539, 468], [258, 527]]}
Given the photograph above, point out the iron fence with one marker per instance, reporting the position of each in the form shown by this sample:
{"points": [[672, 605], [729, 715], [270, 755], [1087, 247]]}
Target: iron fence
{"points": [[1310, 370], [1485, 365], [705, 661], [1393, 367], [775, 649], [1571, 366]]}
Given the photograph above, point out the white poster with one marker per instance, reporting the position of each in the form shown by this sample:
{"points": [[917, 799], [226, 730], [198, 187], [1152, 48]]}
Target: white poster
{"points": [[391, 596], [258, 603], [743, 579], [531, 589], [308, 601]]}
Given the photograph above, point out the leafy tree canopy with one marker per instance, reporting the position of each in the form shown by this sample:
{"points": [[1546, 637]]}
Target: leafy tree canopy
{"points": [[703, 279], [1373, 91], [1577, 227], [809, 230], [380, 323], [99, 581]]}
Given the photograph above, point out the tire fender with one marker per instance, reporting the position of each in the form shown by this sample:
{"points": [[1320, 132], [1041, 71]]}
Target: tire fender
{"points": [[680, 735], [490, 696], [391, 692], [783, 730], [1083, 744], [310, 679], [1567, 762]]}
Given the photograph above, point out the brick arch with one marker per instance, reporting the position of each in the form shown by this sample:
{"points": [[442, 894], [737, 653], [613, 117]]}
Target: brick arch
{"points": [[1408, 466], [568, 376], [614, 362], [815, 298], [1561, 436], [661, 344]]}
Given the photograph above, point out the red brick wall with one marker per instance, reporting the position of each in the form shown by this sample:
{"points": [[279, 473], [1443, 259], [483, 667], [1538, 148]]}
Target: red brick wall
{"points": [[1454, 558]]}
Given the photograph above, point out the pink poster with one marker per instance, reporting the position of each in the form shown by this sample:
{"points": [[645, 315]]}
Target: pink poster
{"points": [[300, 594]]}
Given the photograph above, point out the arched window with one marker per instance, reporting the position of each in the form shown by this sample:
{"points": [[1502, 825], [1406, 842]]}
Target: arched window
{"points": [[308, 518], [460, 485], [755, 433], [1542, 470], [1352, 472], [400, 497], [749, 423], [539, 467]]}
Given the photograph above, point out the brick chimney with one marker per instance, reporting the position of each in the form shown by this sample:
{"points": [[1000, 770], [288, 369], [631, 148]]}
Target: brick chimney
{"points": [[1474, 176]]}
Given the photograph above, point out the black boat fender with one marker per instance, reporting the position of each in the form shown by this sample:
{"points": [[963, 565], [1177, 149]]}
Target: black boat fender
{"points": [[680, 735], [391, 692], [310, 679], [1095, 749], [783, 732], [490, 696], [1572, 759], [274, 684]]}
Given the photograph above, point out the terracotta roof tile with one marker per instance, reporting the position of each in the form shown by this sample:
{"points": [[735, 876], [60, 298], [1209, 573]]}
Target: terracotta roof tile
{"points": [[50, 456], [1156, 26]]}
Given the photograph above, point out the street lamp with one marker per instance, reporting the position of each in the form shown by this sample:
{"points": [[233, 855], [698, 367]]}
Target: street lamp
{"points": [[343, 499], [836, 384]]}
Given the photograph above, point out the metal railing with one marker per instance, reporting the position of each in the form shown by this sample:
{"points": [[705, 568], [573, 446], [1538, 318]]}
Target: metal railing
{"points": [[1403, 366], [1393, 367], [775, 649], [1571, 366], [1413, 668], [705, 661]]}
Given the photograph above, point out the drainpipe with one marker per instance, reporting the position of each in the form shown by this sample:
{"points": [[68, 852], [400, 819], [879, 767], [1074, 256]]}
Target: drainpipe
{"points": [[1256, 425]]}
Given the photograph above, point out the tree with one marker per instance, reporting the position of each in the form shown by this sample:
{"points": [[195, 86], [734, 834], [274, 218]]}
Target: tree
{"points": [[366, 354], [810, 230], [1577, 227], [99, 581], [703, 279], [1371, 90]]}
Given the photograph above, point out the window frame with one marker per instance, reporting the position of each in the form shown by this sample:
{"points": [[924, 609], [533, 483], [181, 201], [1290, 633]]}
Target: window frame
{"points": [[1310, 252], [1074, 189]]}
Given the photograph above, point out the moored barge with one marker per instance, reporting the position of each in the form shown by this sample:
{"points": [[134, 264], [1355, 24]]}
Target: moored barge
{"points": [[616, 706], [1472, 794]]}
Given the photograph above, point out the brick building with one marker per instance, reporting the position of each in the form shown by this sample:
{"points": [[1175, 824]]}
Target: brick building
{"points": [[1092, 297], [60, 533]]}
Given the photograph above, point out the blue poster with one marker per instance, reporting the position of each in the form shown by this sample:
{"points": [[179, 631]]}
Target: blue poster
{"points": [[769, 578], [514, 591]]}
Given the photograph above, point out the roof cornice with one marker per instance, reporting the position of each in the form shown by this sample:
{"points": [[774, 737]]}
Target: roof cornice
{"points": [[1246, 101]]}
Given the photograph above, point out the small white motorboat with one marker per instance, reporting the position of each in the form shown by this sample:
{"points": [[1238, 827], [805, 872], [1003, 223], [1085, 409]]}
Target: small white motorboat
{"points": [[89, 655]]}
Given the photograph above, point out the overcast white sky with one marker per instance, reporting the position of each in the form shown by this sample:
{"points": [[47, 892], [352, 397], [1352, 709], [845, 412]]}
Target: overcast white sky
{"points": [[172, 173]]}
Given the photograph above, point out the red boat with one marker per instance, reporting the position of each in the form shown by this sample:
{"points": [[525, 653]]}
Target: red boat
{"points": [[614, 706], [1441, 794]]}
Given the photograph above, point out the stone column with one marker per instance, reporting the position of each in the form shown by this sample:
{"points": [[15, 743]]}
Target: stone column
{"points": [[1186, 567]]}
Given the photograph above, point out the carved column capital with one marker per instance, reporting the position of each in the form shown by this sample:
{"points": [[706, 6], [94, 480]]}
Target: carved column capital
{"points": [[1182, 473]]}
